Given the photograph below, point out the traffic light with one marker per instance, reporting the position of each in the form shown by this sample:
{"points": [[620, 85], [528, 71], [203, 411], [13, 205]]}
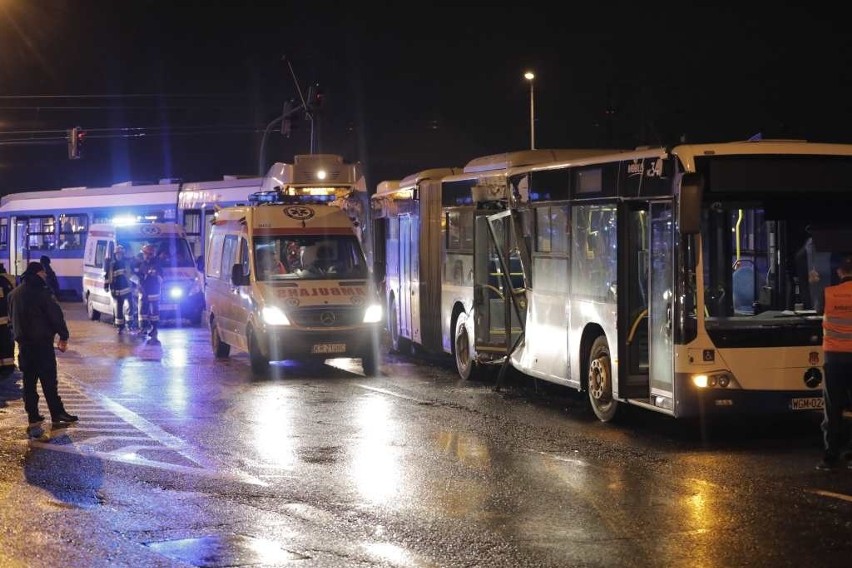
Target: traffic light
{"points": [[287, 116], [315, 97], [75, 142]]}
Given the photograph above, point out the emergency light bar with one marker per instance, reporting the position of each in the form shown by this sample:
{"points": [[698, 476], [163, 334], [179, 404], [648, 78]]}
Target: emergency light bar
{"points": [[299, 195]]}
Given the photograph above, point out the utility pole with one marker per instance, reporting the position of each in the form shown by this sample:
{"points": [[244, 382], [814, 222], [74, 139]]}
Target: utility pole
{"points": [[309, 107]]}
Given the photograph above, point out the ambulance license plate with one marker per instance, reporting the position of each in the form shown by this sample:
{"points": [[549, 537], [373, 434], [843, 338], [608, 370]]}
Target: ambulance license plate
{"points": [[322, 348], [809, 403]]}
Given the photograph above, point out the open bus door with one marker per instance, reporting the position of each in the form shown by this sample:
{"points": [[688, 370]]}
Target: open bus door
{"points": [[499, 284], [18, 246]]}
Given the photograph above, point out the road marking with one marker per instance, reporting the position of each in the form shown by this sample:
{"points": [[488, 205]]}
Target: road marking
{"points": [[135, 434], [832, 494]]}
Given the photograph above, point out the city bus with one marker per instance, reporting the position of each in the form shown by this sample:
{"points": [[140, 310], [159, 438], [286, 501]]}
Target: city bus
{"points": [[682, 280]]}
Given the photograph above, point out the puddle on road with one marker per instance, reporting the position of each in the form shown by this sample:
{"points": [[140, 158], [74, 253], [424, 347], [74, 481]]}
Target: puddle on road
{"points": [[225, 550]]}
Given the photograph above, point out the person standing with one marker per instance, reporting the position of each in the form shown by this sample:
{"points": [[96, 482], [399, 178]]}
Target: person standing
{"points": [[52, 280], [7, 341], [150, 277], [117, 282], [837, 383], [37, 318]]}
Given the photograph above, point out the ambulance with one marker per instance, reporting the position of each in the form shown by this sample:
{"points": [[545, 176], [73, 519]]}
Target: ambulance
{"points": [[181, 296], [287, 277]]}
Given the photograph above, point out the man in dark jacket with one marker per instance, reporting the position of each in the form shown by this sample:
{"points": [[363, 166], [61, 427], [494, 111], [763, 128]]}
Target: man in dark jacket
{"points": [[52, 280], [37, 318]]}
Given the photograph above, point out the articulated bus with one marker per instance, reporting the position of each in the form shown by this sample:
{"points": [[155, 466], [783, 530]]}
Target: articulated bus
{"points": [[683, 280]]}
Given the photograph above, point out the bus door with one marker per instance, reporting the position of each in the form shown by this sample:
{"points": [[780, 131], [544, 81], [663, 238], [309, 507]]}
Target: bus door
{"points": [[633, 301], [19, 245], [409, 263], [661, 300], [499, 283]]}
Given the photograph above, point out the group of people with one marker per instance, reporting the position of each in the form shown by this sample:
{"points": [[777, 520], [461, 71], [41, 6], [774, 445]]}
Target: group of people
{"points": [[118, 280]]}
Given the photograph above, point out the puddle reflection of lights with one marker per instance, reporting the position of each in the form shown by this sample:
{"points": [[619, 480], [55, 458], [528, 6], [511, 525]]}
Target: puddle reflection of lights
{"points": [[273, 430], [375, 466], [390, 552]]}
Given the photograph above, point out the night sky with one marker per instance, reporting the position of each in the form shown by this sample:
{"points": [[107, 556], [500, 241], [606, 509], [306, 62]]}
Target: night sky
{"points": [[185, 89]]}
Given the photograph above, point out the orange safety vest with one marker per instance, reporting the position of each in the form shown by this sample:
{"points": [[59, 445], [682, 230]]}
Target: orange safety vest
{"points": [[837, 318]]}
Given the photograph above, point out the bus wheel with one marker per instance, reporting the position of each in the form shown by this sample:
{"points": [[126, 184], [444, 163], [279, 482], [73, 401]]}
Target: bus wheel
{"points": [[599, 377], [220, 349], [259, 362], [465, 362], [94, 314]]}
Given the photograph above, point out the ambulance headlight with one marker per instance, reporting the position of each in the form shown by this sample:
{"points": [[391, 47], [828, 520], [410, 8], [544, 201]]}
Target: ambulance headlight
{"points": [[373, 313], [273, 315], [175, 293]]}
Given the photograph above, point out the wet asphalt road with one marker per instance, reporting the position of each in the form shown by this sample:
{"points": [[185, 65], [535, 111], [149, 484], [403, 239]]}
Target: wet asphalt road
{"points": [[183, 460]]}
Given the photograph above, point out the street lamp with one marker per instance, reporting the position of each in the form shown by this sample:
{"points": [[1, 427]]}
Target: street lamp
{"points": [[529, 76]]}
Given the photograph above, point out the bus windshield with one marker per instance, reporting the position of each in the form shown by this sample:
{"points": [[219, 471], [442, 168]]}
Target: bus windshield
{"points": [[756, 265]]}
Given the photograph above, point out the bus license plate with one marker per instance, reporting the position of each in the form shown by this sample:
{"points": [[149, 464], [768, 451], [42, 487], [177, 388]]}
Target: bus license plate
{"points": [[810, 403], [322, 348]]}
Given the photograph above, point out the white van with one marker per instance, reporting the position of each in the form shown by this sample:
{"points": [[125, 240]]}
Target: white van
{"points": [[290, 281], [181, 297]]}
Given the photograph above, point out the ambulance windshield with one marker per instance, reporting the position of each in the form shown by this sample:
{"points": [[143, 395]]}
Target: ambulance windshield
{"points": [[308, 257]]}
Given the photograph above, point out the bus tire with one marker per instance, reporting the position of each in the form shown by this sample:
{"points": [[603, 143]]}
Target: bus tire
{"points": [[462, 349], [259, 362], [94, 315], [599, 380], [220, 349]]}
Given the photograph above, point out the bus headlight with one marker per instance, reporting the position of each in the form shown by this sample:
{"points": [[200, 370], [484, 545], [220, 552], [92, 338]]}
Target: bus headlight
{"points": [[717, 379], [273, 315], [373, 313]]}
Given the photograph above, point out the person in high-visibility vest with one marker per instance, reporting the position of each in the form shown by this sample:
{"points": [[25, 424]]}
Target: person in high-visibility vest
{"points": [[837, 383]]}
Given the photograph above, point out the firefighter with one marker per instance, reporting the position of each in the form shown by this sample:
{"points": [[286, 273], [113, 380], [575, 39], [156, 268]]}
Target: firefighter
{"points": [[150, 277], [117, 282], [7, 340]]}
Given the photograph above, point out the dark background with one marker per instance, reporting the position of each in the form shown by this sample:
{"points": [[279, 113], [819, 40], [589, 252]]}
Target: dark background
{"points": [[185, 89]]}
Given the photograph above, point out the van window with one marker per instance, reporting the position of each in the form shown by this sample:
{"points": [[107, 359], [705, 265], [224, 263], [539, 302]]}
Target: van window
{"points": [[214, 256], [229, 254]]}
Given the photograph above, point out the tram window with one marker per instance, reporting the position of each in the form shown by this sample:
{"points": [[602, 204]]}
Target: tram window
{"points": [[72, 231], [41, 233], [459, 230], [4, 234]]}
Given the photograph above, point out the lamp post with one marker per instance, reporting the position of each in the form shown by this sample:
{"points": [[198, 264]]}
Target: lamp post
{"points": [[529, 76]]}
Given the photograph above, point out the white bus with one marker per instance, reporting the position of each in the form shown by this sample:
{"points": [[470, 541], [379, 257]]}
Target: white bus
{"points": [[56, 223], [682, 280]]}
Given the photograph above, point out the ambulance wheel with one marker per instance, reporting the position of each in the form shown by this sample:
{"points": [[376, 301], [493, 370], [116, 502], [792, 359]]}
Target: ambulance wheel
{"points": [[259, 362], [398, 343], [220, 349], [195, 318], [370, 364], [93, 314], [599, 381]]}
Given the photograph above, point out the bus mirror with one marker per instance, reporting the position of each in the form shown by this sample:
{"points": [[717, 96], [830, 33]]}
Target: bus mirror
{"points": [[689, 204]]}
